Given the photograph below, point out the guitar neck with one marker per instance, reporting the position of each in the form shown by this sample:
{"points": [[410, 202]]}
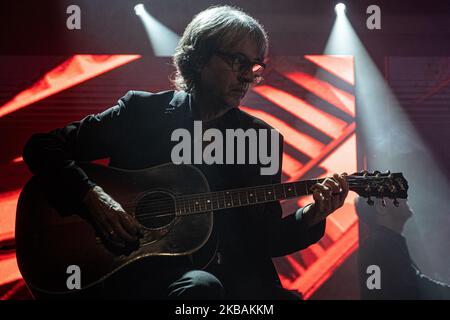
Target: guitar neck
{"points": [[203, 202]]}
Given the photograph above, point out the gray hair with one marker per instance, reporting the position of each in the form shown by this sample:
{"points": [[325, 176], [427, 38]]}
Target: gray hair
{"points": [[216, 28]]}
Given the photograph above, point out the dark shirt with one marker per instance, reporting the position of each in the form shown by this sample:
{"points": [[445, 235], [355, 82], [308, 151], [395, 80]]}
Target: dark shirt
{"points": [[400, 278], [135, 134]]}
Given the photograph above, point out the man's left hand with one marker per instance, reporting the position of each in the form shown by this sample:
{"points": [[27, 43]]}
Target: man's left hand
{"points": [[328, 197]]}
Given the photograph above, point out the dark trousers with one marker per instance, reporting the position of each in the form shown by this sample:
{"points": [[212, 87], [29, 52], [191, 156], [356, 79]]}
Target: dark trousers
{"points": [[137, 282]]}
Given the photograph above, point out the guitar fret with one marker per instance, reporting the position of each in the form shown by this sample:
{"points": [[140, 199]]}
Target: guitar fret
{"points": [[221, 199], [251, 195], [242, 197], [260, 195], [217, 199], [235, 195], [284, 190], [292, 190], [310, 183], [228, 199], [208, 203], [196, 205], [278, 192], [296, 188], [214, 202], [189, 205], [289, 191], [271, 193]]}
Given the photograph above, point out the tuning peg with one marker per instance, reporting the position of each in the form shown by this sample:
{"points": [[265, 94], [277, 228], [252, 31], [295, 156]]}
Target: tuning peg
{"points": [[370, 202], [383, 202], [392, 188], [396, 202], [380, 189], [388, 172], [376, 173], [367, 188]]}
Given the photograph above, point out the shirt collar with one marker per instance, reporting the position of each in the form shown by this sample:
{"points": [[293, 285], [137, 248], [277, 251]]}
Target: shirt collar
{"points": [[182, 102]]}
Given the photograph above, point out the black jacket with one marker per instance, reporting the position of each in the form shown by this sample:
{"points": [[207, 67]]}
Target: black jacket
{"points": [[135, 134]]}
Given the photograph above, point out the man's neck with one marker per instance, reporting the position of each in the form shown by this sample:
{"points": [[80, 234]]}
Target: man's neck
{"points": [[205, 109]]}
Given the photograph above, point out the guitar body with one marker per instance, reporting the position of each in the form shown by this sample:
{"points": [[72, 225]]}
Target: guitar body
{"points": [[48, 242]]}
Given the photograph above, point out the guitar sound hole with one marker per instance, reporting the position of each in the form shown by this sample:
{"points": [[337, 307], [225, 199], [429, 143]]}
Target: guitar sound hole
{"points": [[155, 210]]}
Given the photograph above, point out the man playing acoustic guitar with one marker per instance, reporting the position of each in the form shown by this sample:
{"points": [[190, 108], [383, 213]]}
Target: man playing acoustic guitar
{"points": [[220, 54]]}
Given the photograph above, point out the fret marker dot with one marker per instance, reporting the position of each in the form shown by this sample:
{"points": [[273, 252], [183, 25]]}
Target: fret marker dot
{"points": [[208, 201]]}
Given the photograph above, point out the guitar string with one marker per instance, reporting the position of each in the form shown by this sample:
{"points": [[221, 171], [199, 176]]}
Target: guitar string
{"points": [[158, 204], [171, 212], [167, 210], [351, 180], [205, 196], [162, 204]]}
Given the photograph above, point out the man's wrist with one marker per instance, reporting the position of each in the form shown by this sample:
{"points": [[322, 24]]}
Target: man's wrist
{"points": [[309, 215]]}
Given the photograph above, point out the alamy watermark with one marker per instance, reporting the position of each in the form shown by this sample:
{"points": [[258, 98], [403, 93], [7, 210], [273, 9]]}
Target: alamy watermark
{"points": [[373, 282], [374, 20], [213, 153], [73, 281], [73, 21]]}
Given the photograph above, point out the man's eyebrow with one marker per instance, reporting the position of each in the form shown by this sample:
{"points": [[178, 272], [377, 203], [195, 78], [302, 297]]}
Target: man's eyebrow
{"points": [[252, 60]]}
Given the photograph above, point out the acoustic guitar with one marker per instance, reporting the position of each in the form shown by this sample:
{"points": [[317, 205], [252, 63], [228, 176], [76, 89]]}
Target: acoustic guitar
{"points": [[178, 220]]}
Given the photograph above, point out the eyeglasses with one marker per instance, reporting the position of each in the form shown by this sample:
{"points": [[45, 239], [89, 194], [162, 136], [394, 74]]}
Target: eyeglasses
{"points": [[240, 63]]}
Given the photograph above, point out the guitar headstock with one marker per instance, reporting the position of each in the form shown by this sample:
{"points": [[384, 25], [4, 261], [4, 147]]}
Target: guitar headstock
{"points": [[379, 185]]}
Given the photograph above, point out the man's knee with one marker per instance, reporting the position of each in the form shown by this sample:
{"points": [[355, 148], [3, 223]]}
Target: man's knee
{"points": [[196, 284]]}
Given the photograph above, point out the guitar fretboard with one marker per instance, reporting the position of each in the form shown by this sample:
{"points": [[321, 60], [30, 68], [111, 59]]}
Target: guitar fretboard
{"points": [[198, 203]]}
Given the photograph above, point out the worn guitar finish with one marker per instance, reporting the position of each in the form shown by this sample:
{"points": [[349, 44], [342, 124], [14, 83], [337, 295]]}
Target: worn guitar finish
{"points": [[172, 202], [47, 243]]}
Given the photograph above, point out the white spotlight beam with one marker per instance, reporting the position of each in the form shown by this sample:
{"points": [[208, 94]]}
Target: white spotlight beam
{"points": [[390, 137], [162, 39]]}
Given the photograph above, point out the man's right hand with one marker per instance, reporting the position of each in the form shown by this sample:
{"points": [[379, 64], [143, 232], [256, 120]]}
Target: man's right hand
{"points": [[116, 226]]}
